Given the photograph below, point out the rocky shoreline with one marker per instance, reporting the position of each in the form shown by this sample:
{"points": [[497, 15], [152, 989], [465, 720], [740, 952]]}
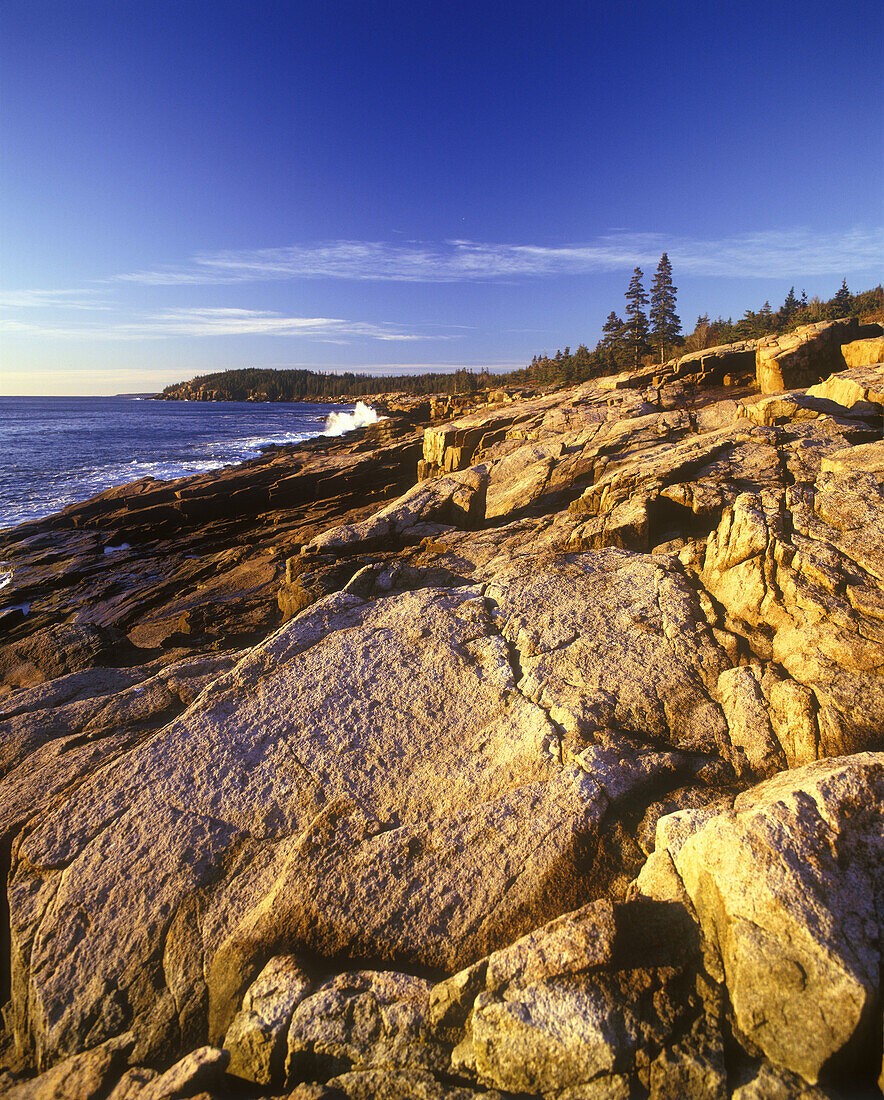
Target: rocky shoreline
{"points": [[531, 748]]}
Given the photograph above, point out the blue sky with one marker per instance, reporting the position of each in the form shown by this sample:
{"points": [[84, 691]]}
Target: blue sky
{"points": [[189, 186]]}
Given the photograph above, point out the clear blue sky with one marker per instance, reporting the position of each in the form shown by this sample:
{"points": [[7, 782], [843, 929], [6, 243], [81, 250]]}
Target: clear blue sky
{"points": [[189, 186]]}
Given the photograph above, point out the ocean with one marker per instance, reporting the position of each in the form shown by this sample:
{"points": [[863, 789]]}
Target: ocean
{"points": [[58, 450]]}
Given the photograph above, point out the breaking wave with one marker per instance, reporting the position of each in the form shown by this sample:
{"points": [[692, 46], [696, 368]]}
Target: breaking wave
{"points": [[339, 423], [56, 451]]}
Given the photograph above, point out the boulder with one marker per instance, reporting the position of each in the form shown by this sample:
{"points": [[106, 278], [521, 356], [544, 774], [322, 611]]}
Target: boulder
{"points": [[85, 1076], [193, 1076], [788, 886], [257, 1037], [839, 396], [772, 1083], [551, 1036], [572, 943], [862, 353], [575, 942], [859, 385], [590, 1033], [803, 357], [362, 1019]]}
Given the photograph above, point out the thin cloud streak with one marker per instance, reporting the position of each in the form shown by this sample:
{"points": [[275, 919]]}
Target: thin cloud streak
{"points": [[771, 254], [223, 321], [235, 322], [51, 299]]}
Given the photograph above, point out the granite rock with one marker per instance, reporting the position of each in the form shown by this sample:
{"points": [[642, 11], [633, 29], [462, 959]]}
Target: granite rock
{"points": [[788, 886], [440, 774]]}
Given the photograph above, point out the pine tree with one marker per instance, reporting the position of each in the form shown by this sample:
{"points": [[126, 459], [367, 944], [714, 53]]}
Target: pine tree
{"points": [[786, 312], [636, 319], [613, 341], [665, 322], [749, 325], [842, 302]]}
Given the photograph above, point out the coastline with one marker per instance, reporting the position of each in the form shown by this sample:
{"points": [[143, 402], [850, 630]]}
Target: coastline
{"points": [[63, 451], [291, 490], [480, 722]]}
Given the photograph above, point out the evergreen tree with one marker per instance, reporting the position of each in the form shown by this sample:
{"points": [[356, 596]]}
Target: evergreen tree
{"points": [[788, 309], [749, 325], [613, 342], [665, 322], [842, 302], [581, 364], [636, 319], [724, 332]]}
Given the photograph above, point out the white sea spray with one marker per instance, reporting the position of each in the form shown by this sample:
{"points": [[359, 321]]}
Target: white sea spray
{"points": [[339, 423]]}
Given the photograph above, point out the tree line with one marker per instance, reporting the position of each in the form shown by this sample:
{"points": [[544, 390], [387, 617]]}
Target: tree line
{"points": [[638, 338], [257, 384], [793, 312], [641, 338]]}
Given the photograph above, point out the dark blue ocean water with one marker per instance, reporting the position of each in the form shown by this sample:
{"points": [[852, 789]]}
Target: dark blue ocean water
{"points": [[54, 451]]}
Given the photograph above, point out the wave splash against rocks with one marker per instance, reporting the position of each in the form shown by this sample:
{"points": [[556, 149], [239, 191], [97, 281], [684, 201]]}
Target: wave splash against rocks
{"points": [[58, 452], [339, 423]]}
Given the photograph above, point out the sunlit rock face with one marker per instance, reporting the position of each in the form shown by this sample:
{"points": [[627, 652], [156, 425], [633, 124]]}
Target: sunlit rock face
{"points": [[555, 772]]}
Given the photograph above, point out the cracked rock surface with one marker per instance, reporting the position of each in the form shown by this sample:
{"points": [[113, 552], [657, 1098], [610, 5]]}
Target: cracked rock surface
{"points": [[556, 772]]}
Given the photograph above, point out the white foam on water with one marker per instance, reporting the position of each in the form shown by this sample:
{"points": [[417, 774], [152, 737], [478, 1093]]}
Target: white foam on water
{"points": [[205, 456], [253, 446], [5, 575], [339, 423], [106, 477], [215, 456]]}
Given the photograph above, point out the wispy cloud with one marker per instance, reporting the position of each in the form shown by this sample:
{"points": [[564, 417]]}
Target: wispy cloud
{"points": [[776, 254], [235, 322], [222, 321], [52, 299], [783, 254]]}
